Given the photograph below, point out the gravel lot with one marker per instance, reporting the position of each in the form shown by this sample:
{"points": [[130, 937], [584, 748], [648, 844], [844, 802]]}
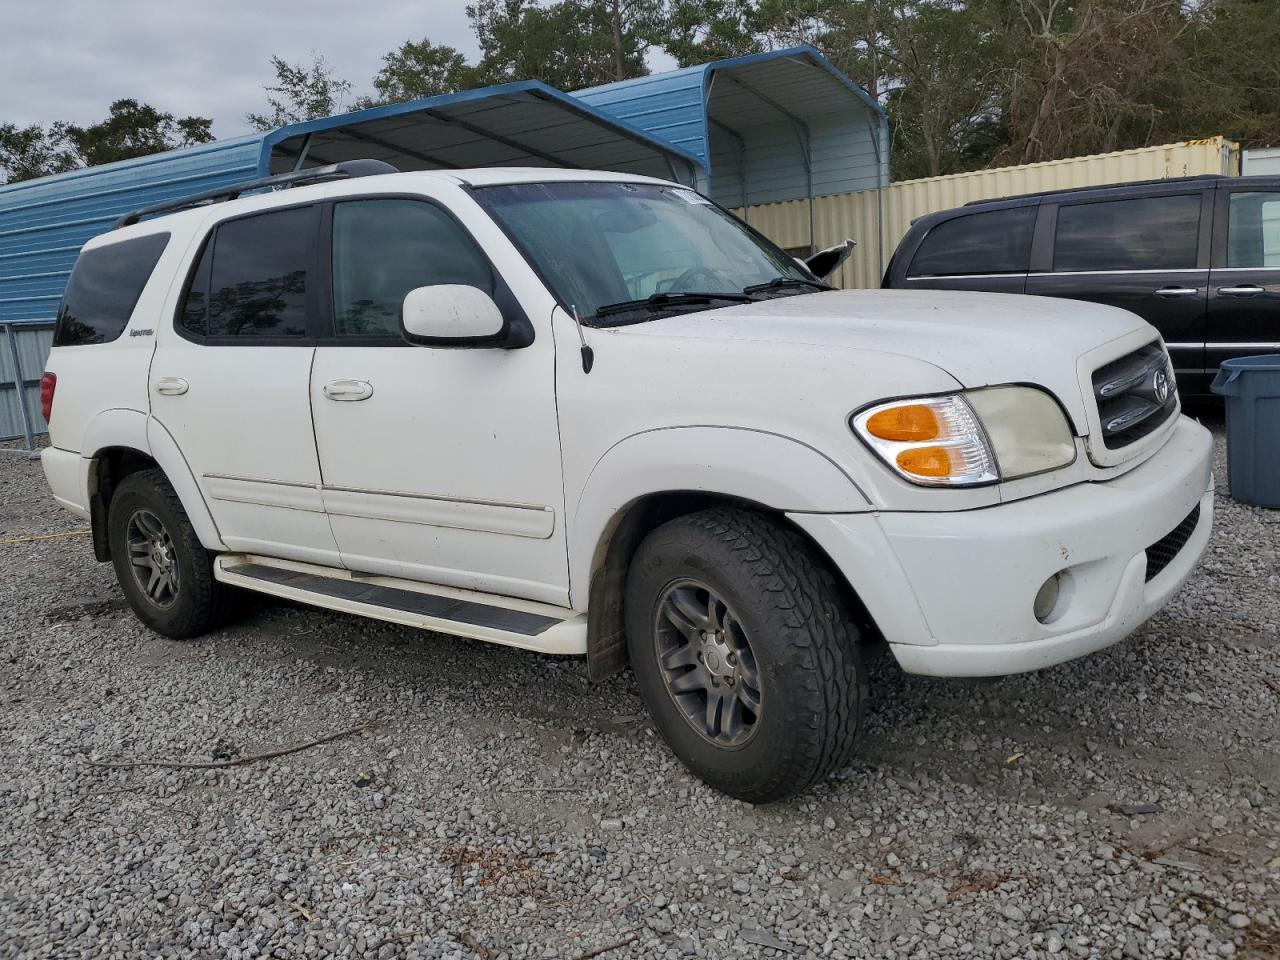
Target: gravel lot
{"points": [[1124, 805]]}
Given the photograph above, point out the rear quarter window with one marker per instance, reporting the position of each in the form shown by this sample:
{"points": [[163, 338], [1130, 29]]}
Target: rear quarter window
{"points": [[997, 241], [105, 285]]}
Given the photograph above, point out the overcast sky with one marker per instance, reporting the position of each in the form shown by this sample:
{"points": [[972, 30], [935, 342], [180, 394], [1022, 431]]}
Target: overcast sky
{"points": [[68, 59]]}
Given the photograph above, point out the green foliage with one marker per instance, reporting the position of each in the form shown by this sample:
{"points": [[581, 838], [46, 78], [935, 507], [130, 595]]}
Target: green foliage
{"points": [[421, 69], [301, 92], [569, 44], [134, 129], [131, 129], [34, 151]]}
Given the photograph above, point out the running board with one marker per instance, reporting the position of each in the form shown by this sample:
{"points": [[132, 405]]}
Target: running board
{"points": [[462, 613]]}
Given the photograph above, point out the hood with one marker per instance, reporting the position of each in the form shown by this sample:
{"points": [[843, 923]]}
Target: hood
{"points": [[978, 338]]}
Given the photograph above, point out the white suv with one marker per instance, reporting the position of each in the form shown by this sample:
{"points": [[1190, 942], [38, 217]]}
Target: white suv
{"points": [[591, 413]]}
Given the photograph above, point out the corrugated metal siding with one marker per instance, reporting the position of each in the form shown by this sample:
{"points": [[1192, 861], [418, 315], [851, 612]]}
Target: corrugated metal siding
{"points": [[30, 342], [855, 214], [44, 223], [666, 105]]}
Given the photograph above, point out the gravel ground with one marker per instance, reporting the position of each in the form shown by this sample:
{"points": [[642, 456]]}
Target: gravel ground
{"points": [[1124, 805]]}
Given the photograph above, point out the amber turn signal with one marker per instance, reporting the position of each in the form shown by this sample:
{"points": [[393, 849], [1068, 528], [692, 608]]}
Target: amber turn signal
{"points": [[909, 422], [927, 462]]}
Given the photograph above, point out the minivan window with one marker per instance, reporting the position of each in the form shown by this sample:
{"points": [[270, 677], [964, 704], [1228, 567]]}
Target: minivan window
{"points": [[1253, 230], [997, 241], [1143, 233], [384, 248], [105, 285], [251, 282]]}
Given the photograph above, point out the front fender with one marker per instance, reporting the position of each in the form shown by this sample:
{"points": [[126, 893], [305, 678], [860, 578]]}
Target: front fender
{"points": [[754, 465]]}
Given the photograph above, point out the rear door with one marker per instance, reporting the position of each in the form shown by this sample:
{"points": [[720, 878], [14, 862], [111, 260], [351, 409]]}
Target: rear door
{"points": [[985, 250], [229, 381], [1244, 285], [1148, 253]]}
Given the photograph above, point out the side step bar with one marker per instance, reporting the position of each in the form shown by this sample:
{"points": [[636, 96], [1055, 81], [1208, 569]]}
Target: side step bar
{"points": [[463, 613]]}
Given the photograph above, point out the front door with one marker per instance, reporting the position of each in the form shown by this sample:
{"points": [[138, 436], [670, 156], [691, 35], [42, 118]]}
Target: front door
{"points": [[229, 381], [1147, 254], [439, 464], [1244, 287]]}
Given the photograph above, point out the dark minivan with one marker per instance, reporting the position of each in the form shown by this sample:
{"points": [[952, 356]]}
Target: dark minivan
{"points": [[1197, 257]]}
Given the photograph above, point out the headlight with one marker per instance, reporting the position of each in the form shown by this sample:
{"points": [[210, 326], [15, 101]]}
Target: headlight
{"points": [[977, 437]]}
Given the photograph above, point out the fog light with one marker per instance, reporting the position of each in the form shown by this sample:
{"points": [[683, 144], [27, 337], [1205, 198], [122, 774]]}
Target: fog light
{"points": [[1047, 598]]}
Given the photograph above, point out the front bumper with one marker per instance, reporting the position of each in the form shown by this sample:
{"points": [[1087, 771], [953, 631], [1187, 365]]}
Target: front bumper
{"points": [[953, 592]]}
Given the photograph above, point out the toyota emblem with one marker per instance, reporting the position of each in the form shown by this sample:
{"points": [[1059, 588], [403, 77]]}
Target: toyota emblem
{"points": [[1160, 385]]}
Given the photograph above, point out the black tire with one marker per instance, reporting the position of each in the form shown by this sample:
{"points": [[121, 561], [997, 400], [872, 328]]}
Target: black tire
{"points": [[802, 637], [197, 602]]}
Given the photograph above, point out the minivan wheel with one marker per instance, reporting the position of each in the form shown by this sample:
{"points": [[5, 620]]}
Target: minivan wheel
{"points": [[163, 569], [746, 652]]}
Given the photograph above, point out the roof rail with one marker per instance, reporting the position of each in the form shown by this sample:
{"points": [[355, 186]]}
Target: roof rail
{"points": [[334, 171], [1100, 186]]}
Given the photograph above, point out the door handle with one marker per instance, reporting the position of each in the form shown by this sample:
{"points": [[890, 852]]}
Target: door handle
{"points": [[172, 386], [348, 390], [1242, 291], [1172, 293]]}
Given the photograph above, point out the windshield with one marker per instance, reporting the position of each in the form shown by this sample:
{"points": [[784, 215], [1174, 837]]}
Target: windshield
{"points": [[621, 245]]}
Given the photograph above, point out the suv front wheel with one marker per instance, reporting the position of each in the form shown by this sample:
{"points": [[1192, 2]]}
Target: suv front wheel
{"points": [[746, 652], [164, 570]]}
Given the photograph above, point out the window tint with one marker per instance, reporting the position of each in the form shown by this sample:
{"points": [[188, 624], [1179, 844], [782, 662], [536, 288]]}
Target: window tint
{"points": [[998, 241], [251, 281], [1147, 233], [1253, 230], [104, 288], [382, 249]]}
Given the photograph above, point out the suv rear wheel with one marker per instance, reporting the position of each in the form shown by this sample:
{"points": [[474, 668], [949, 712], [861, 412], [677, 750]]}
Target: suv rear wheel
{"points": [[164, 570], [746, 652]]}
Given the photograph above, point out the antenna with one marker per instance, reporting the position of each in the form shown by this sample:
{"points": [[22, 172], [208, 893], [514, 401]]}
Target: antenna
{"points": [[588, 355]]}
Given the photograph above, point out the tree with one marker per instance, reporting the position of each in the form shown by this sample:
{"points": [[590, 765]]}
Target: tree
{"points": [[417, 70], [34, 151], [1083, 76], [1229, 81], [569, 44], [134, 129], [301, 92], [698, 31]]}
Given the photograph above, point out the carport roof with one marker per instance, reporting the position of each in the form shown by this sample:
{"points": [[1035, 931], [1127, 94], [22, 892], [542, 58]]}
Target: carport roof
{"points": [[515, 124]]}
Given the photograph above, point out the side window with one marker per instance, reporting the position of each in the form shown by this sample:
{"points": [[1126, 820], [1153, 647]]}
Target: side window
{"points": [[105, 285], [1253, 230], [1145, 233], [998, 241], [251, 281], [382, 249]]}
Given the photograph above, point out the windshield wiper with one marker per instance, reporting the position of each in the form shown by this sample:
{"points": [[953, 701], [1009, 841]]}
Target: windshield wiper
{"points": [[779, 283], [660, 300]]}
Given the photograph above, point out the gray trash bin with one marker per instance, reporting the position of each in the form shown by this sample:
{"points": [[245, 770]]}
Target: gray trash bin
{"points": [[1251, 387]]}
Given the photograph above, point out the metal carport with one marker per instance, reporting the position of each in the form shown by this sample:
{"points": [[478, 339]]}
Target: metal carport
{"points": [[768, 127]]}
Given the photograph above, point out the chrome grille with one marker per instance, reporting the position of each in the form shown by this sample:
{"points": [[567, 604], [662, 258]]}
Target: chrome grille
{"points": [[1135, 395]]}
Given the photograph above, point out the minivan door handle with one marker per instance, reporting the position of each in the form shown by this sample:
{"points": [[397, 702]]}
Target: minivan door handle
{"points": [[172, 386], [1242, 291], [1173, 293], [348, 390]]}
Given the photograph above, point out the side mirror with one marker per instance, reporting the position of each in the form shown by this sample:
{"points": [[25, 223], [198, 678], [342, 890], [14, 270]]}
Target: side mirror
{"points": [[824, 263], [451, 315]]}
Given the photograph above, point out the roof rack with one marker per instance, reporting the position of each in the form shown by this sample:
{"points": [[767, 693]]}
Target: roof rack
{"points": [[334, 171], [1099, 186]]}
